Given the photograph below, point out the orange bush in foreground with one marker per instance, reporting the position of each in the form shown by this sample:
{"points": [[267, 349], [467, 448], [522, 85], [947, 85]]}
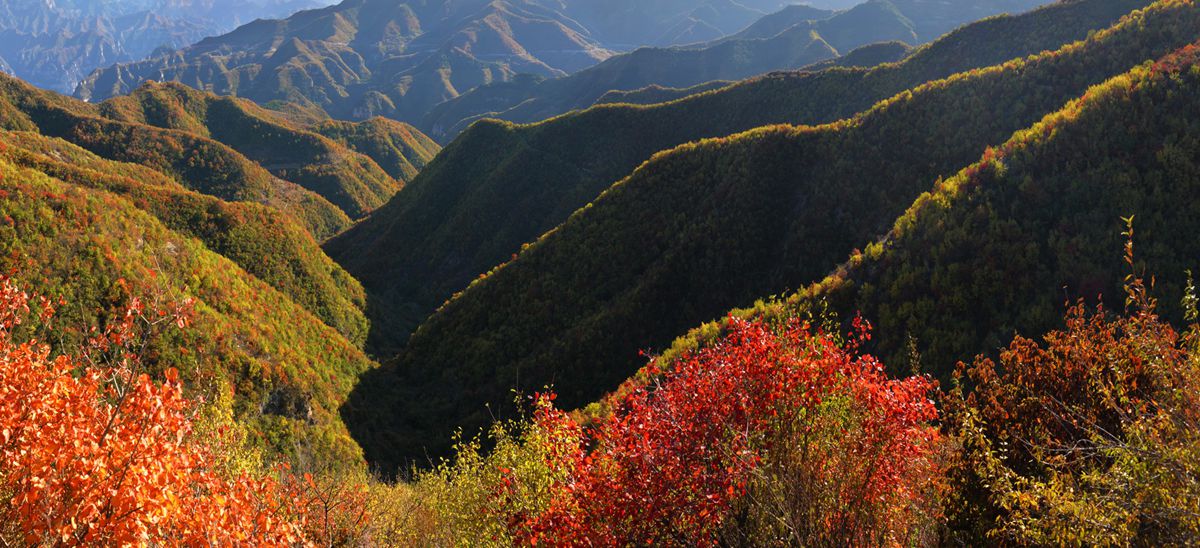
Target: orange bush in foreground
{"points": [[93, 452]]}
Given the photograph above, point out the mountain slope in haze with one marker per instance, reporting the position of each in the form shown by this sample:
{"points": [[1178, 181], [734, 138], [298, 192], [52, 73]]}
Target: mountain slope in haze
{"points": [[800, 44], [868, 56], [775, 23], [499, 186], [706, 226], [365, 58], [627, 24], [250, 349], [54, 44]]}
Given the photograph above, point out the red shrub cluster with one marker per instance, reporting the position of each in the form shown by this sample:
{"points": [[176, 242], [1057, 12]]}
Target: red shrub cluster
{"points": [[678, 455]]}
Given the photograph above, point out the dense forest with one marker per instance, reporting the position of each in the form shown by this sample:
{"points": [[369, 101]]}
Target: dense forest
{"points": [[940, 295], [500, 186], [702, 229]]}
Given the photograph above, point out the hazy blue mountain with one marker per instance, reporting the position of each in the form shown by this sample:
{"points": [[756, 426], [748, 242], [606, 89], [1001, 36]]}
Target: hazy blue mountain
{"points": [[55, 43]]}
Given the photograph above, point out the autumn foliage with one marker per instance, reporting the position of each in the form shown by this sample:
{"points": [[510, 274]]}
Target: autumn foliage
{"points": [[94, 452], [1091, 437], [675, 461]]}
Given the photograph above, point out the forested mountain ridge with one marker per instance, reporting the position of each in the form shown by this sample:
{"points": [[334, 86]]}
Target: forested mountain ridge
{"points": [[364, 58], [70, 229], [790, 310], [353, 182], [800, 44], [499, 186], [709, 224], [868, 56], [254, 154], [226, 174], [268, 226], [259, 239], [400, 149], [1010, 241]]}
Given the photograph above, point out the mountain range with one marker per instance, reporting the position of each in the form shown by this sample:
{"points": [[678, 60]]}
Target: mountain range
{"points": [[54, 44], [792, 38], [364, 58], [679, 266], [723, 272]]}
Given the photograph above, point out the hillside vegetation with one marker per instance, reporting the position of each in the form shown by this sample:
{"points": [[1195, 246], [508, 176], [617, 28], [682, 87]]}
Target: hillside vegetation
{"points": [[1000, 246], [398, 148], [499, 186], [160, 146], [709, 225], [264, 242], [351, 181], [277, 368], [201, 164]]}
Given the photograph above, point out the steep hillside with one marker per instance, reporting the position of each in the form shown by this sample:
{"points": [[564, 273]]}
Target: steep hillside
{"points": [[799, 44], [397, 147], [189, 177], [201, 164], [499, 186], [704, 227], [351, 181], [1007, 243], [251, 154], [282, 371], [262, 241]]}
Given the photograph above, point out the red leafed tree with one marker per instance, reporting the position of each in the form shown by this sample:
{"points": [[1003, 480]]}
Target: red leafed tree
{"points": [[91, 452], [777, 434]]}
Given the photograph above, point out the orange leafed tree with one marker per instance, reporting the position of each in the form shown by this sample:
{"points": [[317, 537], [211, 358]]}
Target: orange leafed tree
{"points": [[94, 452]]}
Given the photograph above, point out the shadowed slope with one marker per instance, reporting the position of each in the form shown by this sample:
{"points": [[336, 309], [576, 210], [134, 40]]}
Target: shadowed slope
{"points": [[708, 225], [499, 186]]}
